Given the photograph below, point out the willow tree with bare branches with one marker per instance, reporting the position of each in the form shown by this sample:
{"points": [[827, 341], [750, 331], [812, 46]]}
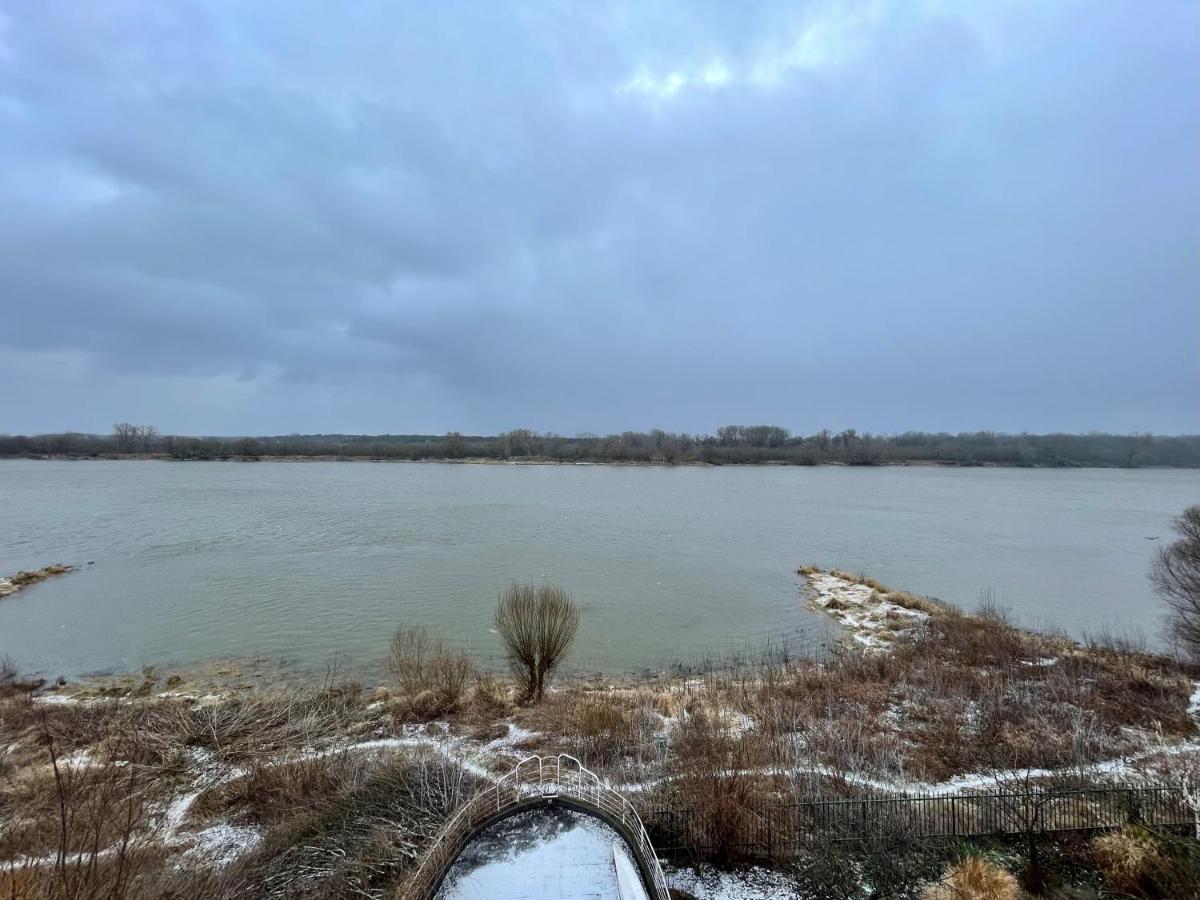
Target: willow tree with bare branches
{"points": [[537, 624], [1176, 574]]}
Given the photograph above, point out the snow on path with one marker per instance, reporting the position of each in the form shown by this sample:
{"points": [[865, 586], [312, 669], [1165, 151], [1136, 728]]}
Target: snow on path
{"points": [[973, 781], [546, 854]]}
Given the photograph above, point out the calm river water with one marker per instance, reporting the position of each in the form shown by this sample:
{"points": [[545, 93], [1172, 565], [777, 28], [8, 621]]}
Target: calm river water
{"points": [[304, 560]]}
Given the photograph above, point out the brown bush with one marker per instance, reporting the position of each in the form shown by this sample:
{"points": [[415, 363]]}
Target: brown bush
{"points": [[269, 793], [711, 784], [420, 663], [85, 821], [608, 728], [1125, 858], [975, 879]]}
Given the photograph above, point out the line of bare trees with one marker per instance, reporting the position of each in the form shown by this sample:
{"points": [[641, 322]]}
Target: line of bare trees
{"points": [[731, 444]]}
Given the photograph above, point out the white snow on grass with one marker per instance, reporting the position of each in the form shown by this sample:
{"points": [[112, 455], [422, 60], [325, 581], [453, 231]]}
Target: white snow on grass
{"points": [[870, 619], [220, 845], [755, 883], [1126, 765]]}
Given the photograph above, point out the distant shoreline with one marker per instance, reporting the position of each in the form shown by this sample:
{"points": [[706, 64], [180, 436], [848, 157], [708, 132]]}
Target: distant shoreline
{"points": [[547, 461], [730, 445]]}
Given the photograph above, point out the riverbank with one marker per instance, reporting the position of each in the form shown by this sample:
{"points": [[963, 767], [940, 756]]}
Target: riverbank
{"points": [[549, 461], [254, 781]]}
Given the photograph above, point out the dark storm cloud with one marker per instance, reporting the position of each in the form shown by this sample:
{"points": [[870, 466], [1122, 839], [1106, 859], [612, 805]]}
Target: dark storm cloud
{"points": [[282, 216]]}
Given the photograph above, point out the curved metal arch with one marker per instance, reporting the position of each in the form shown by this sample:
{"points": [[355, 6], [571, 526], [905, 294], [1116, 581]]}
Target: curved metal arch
{"points": [[535, 780]]}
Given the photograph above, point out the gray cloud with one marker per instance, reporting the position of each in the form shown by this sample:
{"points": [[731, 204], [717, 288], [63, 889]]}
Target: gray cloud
{"points": [[284, 217]]}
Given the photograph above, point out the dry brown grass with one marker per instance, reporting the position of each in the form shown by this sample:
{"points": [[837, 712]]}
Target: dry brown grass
{"points": [[1126, 859], [25, 579], [927, 605], [271, 792], [860, 578], [429, 673], [975, 879], [712, 782]]}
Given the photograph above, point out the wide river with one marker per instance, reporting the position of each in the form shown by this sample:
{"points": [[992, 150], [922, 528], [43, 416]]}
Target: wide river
{"points": [[304, 560]]}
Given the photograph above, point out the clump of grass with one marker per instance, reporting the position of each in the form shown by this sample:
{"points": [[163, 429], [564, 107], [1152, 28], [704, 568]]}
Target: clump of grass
{"points": [[710, 779], [1125, 858], [271, 792], [429, 674], [364, 837], [607, 728], [860, 578], [975, 878], [927, 605]]}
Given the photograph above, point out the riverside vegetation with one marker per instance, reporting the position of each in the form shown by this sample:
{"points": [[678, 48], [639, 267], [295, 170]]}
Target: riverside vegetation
{"points": [[158, 786], [730, 445]]}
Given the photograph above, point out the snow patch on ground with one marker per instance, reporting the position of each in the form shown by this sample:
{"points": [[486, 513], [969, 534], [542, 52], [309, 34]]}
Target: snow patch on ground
{"points": [[78, 760], [755, 883], [870, 619], [56, 699], [219, 845], [516, 735]]}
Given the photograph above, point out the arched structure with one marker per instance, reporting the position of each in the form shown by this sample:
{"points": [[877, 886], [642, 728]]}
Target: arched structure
{"points": [[539, 781]]}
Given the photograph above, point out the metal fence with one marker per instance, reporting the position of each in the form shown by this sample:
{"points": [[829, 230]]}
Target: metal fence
{"points": [[780, 830]]}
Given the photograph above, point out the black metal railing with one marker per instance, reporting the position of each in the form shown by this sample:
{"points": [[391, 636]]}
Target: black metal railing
{"points": [[779, 830]]}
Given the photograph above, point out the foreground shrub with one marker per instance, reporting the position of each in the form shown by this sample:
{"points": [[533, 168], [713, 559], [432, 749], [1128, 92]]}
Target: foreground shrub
{"points": [[537, 624], [975, 879], [364, 839], [424, 665], [1124, 858], [714, 790], [1140, 863]]}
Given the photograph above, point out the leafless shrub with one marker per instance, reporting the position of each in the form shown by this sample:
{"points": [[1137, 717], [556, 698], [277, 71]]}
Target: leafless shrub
{"points": [[1107, 639], [714, 784], [421, 663], [408, 659], [1176, 575], [853, 744], [537, 624], [86, 831]]}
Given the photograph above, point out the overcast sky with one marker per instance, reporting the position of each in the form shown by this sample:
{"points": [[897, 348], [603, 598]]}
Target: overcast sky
{"points": [[266, 217]]}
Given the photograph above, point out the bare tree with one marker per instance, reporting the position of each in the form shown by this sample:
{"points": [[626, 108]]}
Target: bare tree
{"points": [[126, 436], [146, 436], [1176, 575], [537, 624], [456, 447], [130, 437]]}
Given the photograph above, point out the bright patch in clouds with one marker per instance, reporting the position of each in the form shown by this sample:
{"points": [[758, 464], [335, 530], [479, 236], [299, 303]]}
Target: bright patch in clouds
{"points": [[827, 37], [713, 75]]}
